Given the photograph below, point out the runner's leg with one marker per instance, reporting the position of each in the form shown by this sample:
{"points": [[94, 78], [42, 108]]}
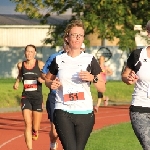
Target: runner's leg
{"points": [[140, 124], [37, 117], [83, 128], [27, 115], [50, 109], [100, 97], [37, 107]]}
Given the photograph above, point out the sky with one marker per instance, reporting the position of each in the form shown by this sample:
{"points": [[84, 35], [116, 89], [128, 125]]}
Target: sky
{"points": [[7, 7]]}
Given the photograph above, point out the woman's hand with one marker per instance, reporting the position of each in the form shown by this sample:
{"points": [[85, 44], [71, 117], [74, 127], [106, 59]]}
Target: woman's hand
{"points": [[41, 80], [55, 84], [86, 76], [132, 77], [16, 85], [129, 76]]}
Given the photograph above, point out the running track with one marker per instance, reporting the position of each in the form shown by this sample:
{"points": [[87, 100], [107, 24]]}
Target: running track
{"points": [[12, 126]]}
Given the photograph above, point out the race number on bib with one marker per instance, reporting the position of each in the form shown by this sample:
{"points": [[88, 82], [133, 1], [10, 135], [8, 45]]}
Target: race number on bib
{"points": [[74, 96], [30, 85]]}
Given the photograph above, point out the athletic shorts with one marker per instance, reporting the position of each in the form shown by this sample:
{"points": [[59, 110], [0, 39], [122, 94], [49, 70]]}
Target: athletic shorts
{"points": [[32, 104], [100, 95], [50, 105]]}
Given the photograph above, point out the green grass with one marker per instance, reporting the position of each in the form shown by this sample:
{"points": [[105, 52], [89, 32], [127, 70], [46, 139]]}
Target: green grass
{"points": [[10, 97], [117, 137], [116, 90], [119, 91]]}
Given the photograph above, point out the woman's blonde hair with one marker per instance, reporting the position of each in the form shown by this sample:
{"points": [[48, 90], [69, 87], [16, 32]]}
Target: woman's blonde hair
{"points": [[74, 23]]}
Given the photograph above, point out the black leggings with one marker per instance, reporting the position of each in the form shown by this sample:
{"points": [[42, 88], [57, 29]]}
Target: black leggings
{"points": [[73, 129]]}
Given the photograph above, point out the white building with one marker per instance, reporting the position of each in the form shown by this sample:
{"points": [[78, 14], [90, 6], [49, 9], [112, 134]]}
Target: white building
{"points": [[17, 31]]}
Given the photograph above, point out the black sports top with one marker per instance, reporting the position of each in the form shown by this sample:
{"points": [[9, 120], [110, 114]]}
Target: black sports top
{"points": [[32, 88]]}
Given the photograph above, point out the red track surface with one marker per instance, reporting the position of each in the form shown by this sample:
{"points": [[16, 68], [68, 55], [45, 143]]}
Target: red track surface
{"points": [[12, 126]]}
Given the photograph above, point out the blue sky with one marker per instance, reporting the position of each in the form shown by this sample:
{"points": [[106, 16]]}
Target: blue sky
{"points": [[7, 7]]}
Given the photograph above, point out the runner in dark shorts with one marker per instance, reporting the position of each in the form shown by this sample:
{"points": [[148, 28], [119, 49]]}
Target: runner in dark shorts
{"points": [[32, 99]]}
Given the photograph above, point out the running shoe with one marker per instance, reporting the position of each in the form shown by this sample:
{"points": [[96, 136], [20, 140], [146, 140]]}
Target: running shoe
{"points": [[54, 146], [34, 135]]}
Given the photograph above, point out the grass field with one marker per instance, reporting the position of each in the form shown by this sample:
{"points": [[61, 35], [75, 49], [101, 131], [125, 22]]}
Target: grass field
{"points": [[116, 90], [117, 137]]}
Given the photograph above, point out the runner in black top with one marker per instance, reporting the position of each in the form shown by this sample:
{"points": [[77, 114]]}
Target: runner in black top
{"points": [[32, 87], [32, 100]]}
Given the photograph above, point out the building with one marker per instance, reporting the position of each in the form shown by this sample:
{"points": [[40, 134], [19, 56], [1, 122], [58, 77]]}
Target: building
{"points": [[17, 31]]}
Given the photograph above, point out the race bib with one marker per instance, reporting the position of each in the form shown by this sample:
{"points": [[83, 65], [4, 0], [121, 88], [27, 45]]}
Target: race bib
{"points": [[70, 94], [74, 96], [30, 85]]}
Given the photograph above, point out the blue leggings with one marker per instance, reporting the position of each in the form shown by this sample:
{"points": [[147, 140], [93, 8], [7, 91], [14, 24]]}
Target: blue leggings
{"points": [[73, 129], [141, 126]]}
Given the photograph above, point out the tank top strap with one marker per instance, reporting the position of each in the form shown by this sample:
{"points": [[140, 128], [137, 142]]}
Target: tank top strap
{"points": [[37, 63], [23, 66], [23, 63]]}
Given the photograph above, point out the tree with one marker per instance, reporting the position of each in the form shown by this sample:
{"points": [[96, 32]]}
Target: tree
{"points": [[109, 18]]}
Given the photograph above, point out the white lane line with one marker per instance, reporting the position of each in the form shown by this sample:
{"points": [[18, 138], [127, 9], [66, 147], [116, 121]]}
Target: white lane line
{"points": [[14, 138], [10, 140]]}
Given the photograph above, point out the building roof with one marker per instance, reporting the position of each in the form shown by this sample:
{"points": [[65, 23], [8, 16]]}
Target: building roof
{"points": [[19, 19]]}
